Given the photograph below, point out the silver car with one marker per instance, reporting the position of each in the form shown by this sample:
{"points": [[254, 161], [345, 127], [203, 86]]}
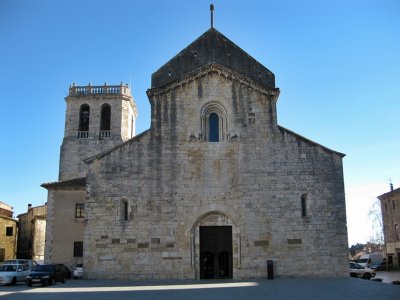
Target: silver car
{"points": [[357, 270], [13, 273]]}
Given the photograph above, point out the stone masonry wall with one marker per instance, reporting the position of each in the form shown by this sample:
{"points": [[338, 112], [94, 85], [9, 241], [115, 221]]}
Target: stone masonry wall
{"points": [[8, 243], [174, 182], [74, 150]]}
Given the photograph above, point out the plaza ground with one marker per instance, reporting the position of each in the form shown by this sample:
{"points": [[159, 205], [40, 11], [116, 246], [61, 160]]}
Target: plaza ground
{"points": [[278, 288]]}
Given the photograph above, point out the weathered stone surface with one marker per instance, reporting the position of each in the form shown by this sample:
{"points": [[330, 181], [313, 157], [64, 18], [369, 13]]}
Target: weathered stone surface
{"points": [[154, 191], [253, 183]]}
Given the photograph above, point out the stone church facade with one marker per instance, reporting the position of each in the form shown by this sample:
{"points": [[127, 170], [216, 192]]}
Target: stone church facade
{"points": [[213, 189]]}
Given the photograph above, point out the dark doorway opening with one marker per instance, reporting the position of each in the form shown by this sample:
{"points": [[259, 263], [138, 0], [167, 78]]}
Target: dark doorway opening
{"points": [[216, 252]]}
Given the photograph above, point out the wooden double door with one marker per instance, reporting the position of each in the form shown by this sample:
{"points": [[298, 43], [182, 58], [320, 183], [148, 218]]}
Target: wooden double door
{"points": [[215, 252]]}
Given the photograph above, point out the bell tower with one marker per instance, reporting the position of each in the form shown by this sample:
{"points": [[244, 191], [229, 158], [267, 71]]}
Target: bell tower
{"points": [[97, 119]]}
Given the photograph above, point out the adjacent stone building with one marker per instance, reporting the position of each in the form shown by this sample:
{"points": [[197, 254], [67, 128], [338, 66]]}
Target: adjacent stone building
{"points": [[390, 207], [97, 118], [213, 189], [8, 232], [31, 233]]}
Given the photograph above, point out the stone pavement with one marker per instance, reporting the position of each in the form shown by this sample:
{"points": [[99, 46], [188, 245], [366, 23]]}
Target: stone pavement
{"points": [[279, 288]]}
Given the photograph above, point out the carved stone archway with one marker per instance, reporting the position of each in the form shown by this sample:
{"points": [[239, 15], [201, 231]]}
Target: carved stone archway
{"points": [[214, 218]]}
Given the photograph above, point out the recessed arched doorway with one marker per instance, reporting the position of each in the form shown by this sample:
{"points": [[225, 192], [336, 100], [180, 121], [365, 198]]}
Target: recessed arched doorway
{"points": [[215, 246], [216, 252]]}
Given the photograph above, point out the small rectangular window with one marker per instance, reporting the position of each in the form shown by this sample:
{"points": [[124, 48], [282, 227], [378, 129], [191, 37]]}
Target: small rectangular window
{"points": [[80, 210], [78, 249], [9, 231]]}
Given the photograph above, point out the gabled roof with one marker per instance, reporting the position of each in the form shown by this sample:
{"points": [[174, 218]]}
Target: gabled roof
{"points": [[310, 142], [389, 194], [212, 47]]}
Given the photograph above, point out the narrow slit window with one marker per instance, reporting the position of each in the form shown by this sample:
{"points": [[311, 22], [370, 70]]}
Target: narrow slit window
{"points": [[124, 210], [304, 205], [214, 127]]}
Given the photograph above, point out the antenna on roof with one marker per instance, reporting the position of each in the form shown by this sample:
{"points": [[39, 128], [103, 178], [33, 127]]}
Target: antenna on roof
{"points": [[212, 15]]}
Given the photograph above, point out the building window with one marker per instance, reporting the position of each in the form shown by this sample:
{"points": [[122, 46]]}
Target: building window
{"points": [[393, 204], [2, 254], [9, 231], [84, 118], [396, 231], [80, 210], [386, 206], [214, 127], [304, 205], [78, 249], [213, 122], [105, 120], [124, 210]]}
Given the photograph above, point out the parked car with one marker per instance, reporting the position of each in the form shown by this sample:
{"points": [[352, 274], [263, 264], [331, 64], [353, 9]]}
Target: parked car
{"points": [[28, 262], [46, 275], [66, 270], [357, 270], [78, 271], [378, 266], [13, 273]]}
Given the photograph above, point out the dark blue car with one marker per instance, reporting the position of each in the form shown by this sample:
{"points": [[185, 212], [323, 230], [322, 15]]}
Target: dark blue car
{"points": [[46, 275]]}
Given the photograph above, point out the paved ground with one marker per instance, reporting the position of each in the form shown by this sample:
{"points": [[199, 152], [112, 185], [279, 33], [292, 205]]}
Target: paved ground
{"points": [[279, 288], [388, 277]]}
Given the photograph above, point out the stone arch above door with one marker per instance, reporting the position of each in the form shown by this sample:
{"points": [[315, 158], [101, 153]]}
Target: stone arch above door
{"points": [[214, 218]]}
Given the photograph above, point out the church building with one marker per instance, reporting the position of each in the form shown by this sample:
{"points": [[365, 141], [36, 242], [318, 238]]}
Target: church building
{"points": [[213, 189]]}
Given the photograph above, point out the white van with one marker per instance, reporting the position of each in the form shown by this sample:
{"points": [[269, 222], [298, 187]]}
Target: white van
{"points": [[366, 259]]}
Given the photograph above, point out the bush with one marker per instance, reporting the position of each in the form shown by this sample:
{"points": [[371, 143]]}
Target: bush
{"points": [[397, 282]]}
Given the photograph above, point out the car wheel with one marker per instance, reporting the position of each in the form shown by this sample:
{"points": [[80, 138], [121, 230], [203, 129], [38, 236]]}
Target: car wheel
{"points": [[63, 280], [367, 276], [29, 284], [14, 281], [50, 281]]}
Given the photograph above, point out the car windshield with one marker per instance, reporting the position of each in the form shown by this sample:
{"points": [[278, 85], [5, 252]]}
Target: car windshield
{"points": [[8, 268], [45, 268]]}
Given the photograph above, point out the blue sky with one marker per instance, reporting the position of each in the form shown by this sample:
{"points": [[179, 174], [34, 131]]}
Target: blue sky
{"points": [[337, 64]]}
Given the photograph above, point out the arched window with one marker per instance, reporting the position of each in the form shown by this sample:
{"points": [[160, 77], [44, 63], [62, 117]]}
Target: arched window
{"points": [[304, 205], [214, 122], [84, 117], [105, 117], [213, 127]]}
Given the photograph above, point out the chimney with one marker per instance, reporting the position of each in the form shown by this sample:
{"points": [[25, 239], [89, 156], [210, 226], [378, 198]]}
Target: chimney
{"points": [[391, 186], [29, 206]]}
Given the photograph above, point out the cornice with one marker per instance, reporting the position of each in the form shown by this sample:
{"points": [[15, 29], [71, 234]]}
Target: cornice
{"points": [[221, 71]]}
